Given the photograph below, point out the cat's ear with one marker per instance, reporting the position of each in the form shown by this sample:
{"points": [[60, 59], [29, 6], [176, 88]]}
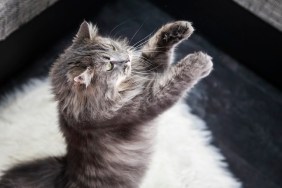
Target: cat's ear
{"points": [[84, 78], [86, 31]]}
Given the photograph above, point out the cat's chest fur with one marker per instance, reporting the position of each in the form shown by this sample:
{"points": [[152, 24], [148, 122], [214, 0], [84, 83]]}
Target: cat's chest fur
{"points": [[109, 158]]}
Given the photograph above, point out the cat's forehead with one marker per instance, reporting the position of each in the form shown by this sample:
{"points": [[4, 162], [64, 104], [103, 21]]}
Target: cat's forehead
{"points": [[107, 41]]}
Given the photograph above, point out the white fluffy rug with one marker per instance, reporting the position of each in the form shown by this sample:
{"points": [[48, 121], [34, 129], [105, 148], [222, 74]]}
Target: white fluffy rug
{"points": [[184, 157]]}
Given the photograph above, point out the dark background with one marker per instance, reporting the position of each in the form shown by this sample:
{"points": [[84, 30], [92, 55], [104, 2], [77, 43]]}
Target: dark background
{"points": [[241, 101]]}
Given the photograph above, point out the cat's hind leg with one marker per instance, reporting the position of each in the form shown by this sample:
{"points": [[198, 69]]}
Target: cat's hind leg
{"points": [[42, 173], [158, 51]]}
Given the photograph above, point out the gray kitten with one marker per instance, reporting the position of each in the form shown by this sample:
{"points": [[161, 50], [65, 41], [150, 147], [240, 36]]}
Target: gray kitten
{"points": [[108, 93]]}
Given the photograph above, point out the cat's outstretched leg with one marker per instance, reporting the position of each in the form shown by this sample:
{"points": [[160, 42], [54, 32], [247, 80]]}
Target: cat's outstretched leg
{"points": [[158, 50], [168, 87]]}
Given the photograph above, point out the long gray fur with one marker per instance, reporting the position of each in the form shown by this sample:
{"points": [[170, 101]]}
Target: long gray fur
{"points": [[108, 93]]}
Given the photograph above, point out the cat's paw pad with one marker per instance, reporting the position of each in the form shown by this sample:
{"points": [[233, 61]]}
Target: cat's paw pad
{"points": [[174, 32], [198, 64]]}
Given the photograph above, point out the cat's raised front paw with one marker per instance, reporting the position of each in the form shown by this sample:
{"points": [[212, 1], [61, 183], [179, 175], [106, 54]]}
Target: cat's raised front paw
{"points": [[198, 64], [174, 32]]}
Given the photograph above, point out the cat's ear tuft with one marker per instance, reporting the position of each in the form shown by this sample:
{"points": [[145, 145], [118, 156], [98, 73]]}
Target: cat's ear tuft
{"points": [[86, 31]]}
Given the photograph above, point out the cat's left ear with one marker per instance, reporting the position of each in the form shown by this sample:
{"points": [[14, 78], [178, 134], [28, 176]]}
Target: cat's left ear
{"points": [[86, 32]]}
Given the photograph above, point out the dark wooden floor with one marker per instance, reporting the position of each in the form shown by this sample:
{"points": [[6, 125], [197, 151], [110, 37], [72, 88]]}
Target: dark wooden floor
{"points": [[243, 112]]}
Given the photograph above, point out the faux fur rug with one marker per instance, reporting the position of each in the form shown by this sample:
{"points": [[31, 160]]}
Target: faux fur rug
{"points": [[184, 157]]}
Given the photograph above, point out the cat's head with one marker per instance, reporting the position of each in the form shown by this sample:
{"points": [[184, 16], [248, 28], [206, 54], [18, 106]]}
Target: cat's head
{"points": [[92, 65], [97, 59], [93, 60]]}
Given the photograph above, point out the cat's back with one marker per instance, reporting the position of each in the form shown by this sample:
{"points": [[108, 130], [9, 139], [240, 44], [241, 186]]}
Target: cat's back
{"points": [[42, 173]]}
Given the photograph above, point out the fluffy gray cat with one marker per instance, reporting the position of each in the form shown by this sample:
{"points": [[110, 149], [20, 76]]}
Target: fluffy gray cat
{"points": [[108, 93]]}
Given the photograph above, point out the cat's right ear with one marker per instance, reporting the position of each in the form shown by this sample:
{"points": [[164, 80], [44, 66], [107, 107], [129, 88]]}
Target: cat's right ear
{"points": [[86, 32]]}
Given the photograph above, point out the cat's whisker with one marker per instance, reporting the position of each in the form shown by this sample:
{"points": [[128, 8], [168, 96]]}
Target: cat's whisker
{"points": [[141, 42], [120, 31], [143, 73], [118, 26], [132, 48], [155, 48], [149, 35], [149, 51], [136, 32], [144, 59]]}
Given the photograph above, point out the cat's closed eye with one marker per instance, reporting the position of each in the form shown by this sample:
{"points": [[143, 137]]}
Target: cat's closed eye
{"points": [[74, 63], [106, 57]]}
